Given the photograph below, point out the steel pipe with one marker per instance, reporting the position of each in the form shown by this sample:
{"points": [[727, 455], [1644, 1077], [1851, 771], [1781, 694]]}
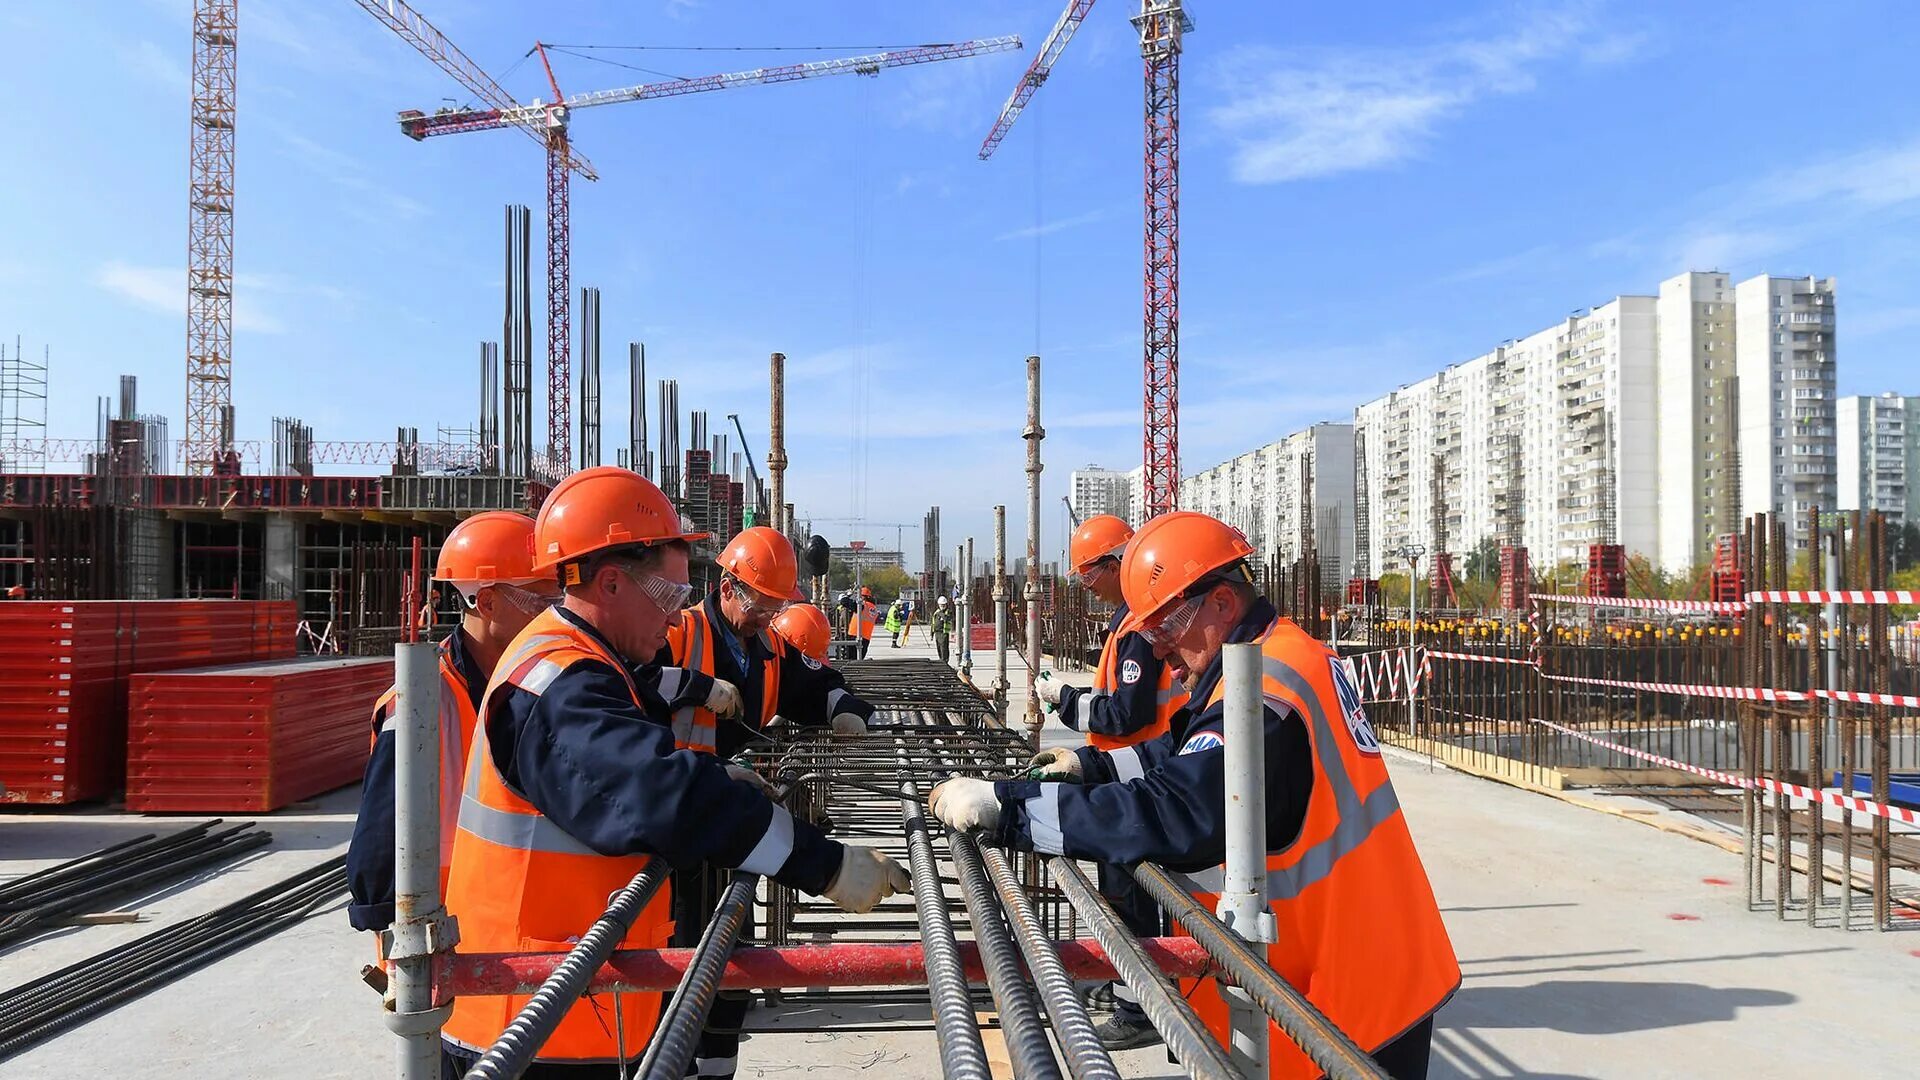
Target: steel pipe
{"points": [[678, 1035], [510, 1056], [1086, 1058], [961, 1052], [1296, 1017], [1033, 434], [1013, 993], [1243, 894], [1000, 601], [420, 926], [1186, 1035]]}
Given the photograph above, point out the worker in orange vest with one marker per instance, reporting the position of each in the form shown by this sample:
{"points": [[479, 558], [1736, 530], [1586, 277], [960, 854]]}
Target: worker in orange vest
{"points": [[488, 560], [1356, 927], [865, 618], [806, 628], [728, 636], [1133, 700], [574, 780]]}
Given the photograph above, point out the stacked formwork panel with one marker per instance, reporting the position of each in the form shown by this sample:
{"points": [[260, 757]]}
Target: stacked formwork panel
{"points": [[63, 693], [249, 738]]}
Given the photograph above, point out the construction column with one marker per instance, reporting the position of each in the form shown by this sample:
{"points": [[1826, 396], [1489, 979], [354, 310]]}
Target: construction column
{"points": [[1033, 434], [777, 443]]}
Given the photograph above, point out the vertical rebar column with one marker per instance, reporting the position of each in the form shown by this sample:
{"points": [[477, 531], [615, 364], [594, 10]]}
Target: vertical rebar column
{"points": [[419, 921], [1000, 599], [777, 442], [966, 666], [1243, 895], [1033, 434]]}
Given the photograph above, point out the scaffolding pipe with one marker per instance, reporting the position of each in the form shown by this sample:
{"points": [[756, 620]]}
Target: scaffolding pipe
{"points": [[1303, 1024], [777, 445], [1013, 994], [420, 924], [1033, 434], [1186, 1034], [1086, 1058], [966, 667], [1000, 600], [1243, 893], [510, 1056], [961, 1052], [678, 1035]]}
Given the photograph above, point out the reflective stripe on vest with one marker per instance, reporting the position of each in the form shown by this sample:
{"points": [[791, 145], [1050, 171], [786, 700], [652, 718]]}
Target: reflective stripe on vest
{"points": [[695, 728]]}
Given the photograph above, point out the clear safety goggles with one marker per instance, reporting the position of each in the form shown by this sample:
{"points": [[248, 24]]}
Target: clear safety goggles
{"points": [[1171, 627], [756, 603], [1102, 566], [530, 598], [668, 596]]}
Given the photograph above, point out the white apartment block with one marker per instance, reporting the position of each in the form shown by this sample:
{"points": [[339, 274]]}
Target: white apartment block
{"points": [[1263, 493], [1094, 490], [1878, 455], [1136, 514], [1548, 441], [1784, 364], [1696, 418]]}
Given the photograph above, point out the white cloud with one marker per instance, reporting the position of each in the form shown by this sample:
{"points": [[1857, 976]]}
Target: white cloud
{"points": [[160, 65], [1054, 226], [1301, 114], [164, 289]]}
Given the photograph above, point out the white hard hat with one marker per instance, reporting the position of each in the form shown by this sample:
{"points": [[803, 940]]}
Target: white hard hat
{"points": [[943, 601]]}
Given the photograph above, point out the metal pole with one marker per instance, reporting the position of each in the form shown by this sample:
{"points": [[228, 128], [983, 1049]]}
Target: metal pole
{"points": [[420, 924], [1832, 585], [1033, 434], [777, 445], [1000, 598], [966, 669], [961, 586], [1243, 896]]}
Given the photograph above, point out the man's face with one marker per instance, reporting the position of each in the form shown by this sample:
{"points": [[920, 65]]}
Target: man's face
{"points": [[1103, 578], [1190, 635], [747, 608], [635, 621]]}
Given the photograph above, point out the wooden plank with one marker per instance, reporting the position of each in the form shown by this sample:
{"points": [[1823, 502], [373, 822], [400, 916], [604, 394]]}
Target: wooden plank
{"points": [[1587, 776]]}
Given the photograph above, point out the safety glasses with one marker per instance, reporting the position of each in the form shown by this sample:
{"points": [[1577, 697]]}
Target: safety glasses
{"points": [[1171, 627], [528, 601], [756, 603], [1101, 567], [668, 596]]}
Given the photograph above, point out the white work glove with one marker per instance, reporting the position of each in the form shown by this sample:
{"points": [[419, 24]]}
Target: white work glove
{"points": [[1049, 690], [965, 804], [724, 700], [748, 776], [865, 878], [847, 723], [1058, 763]]}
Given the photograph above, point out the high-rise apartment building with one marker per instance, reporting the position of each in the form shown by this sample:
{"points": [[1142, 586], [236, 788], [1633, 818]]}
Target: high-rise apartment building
{"points": [[1784, 364], [1877, 450], [1269, 493], [1696, 419], [1094, 490]]}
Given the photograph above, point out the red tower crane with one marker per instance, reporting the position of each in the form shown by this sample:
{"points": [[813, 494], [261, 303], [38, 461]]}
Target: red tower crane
{"points": [[1162, 25]]}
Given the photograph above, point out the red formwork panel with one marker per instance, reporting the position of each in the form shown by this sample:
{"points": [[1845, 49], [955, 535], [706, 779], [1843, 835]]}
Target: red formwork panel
{"points": [[63, 689], [249, 738]]}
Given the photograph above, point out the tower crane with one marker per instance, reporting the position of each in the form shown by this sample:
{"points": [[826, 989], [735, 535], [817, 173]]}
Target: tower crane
{"points": [[549, 122], [1162, 24]]}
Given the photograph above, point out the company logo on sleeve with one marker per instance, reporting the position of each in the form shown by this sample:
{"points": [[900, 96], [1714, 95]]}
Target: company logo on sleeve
{"points": [[1348, 689], [1130, 672]]}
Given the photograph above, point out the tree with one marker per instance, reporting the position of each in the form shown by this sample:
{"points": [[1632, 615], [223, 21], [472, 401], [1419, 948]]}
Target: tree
{"points": [[1483, 562], [1905, 546], [885, 581]]}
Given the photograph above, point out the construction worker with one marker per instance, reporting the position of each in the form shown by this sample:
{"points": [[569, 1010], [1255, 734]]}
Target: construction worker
{"points": [[896, 617], [865, 618], [488, 561], [574, 779], [428, 613], [1356, 927], [1133, 700], [728, 636], [941, 627], [806, 628]]}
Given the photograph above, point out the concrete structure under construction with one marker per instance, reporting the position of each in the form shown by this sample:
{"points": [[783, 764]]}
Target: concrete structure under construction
{"points": [[1877, 448], [1093, 490], [1269, 493]]}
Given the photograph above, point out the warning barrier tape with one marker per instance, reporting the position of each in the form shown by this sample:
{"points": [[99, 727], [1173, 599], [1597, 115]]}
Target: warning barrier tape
{"points": [[1848, 802], [1849, 596], [1717, 607], [1481, 658]]}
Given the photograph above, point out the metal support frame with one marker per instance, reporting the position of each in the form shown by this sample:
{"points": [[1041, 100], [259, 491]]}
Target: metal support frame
{"points": [[1243, 896], [421, 927], [1033, 434], [1000, 603], [777, 442], [559, 296]]}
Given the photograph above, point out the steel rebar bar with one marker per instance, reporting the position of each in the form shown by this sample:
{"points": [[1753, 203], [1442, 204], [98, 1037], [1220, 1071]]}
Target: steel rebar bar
{"points": [[1086, 1058], [1013, 993], [678, 1034], [961, 1052]]}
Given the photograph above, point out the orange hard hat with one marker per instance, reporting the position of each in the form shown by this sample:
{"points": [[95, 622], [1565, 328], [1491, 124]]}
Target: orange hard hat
{"points": [[805, 626], [763, 559], [1097, 537], [488, 549], [866, 593], [600, 508], [1171, 554]]}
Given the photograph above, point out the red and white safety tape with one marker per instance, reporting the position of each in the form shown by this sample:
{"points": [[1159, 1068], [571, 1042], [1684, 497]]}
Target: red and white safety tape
{"points": [[1715, 607], [1748, 693], [1848, 596], [1479, 658], [1849, 802]]}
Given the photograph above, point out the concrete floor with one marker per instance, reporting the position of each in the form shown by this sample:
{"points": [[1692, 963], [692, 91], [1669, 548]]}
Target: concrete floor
{"points": [[1593, 946]]}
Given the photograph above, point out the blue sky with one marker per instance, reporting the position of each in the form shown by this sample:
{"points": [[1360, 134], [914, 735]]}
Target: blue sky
{"points": [[1370, 191]]}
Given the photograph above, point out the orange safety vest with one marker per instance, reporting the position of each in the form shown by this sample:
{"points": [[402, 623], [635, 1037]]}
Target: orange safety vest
{"points": [[456, 726], [1169, 699], [520, 883], [864, 618], [1357, 928], [691, 643]]}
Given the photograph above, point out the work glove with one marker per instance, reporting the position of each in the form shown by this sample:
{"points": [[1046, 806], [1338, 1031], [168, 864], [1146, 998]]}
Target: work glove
{"points": [[724, 699], [847, 723], [1049, 690], [748, 776], [865, 878], [965, 804], [1056, 764]]}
